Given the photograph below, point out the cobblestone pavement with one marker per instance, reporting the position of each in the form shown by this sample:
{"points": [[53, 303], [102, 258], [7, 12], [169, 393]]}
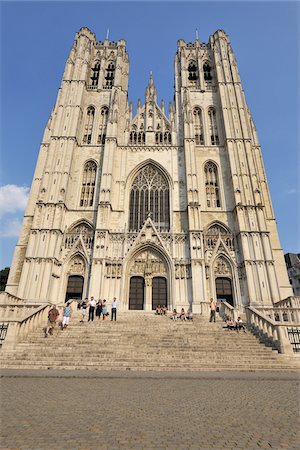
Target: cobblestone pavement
{"points": [[133, 412]]}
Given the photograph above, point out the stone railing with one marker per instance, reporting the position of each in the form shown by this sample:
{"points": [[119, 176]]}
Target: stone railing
{"points": [[290, 302], [9, 299], [16, 311], [272, 332], [227, 310], [18, 328]]}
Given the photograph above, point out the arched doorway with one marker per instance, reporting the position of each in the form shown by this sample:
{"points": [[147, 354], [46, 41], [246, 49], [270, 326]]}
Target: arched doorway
{"points": [[75, 287], [149, 281], [224, 290], [136, 293], [159, 292]]}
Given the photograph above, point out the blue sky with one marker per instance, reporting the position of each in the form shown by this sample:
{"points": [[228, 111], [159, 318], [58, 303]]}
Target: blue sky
{"points": [[36, 38]]}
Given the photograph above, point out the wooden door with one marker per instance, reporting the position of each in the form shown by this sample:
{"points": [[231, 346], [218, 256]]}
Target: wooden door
{"points": [[136, 293], [159, 292]]}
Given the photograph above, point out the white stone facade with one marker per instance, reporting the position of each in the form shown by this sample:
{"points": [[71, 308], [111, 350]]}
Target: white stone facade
{"points": [[150, 208]]}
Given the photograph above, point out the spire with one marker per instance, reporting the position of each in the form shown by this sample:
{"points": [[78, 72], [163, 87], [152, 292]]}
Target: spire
{"points": [[197, 37], [150, 93]]}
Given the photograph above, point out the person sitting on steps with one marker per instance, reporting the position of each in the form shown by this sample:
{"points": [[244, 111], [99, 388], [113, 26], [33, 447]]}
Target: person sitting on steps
{"points": [[182, 314], [239, 325]]}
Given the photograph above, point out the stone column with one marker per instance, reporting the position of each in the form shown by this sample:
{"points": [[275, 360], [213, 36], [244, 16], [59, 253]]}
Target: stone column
{"points": [[148, 296]]}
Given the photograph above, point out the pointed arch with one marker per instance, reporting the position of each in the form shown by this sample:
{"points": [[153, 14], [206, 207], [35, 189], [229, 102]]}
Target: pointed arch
{"points": [[89, 123], [207, 71], [198, 126], [212, 188], [102, 125], [217, 232], [88, 184], [109, 75], [192, 70], [80, 229], [95, 71], [213, 128], [149, 195]]}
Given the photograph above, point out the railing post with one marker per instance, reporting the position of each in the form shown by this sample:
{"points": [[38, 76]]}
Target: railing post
{"points": [[284, 342], [11, 336]]}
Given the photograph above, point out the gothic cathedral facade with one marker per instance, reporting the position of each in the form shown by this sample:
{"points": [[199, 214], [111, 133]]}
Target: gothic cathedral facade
{"points": [[152, 208]]}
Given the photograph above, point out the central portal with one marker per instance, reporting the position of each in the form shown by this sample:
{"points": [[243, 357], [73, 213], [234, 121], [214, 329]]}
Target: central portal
{"points": [[159, 292], [148, 283]]}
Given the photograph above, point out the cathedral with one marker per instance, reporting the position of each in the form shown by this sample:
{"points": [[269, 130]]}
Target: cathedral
{"points": [[167, 206]]}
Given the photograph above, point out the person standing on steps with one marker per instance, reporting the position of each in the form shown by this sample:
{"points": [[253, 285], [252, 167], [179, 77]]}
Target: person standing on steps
{"points": [[114, 309], [83, 307], [213, 307], [92, 306], [104, 310], [52, 318]]}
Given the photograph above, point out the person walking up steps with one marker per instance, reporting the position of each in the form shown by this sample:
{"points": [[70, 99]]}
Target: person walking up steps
{"points": [[213, 307], [52, 318], [114, 309], [92, 306]]}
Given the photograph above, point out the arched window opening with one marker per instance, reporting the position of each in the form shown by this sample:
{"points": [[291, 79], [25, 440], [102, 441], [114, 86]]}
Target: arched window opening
{"points": [[109, 76], [167, 138], [216, 232], [199, 135], [89, 122], [158, 137], [82, 229], [88, 184], [95, 74], [149, 197], [213, 130], [102, 126], [207, 72], [211, 185], [193, 73]]}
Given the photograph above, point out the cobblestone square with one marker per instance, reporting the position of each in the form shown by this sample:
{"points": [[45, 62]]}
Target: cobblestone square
{"points": [[146, 412]]}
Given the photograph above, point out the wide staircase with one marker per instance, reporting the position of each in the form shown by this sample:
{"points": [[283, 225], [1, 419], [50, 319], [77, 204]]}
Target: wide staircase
{"points": [[141, 341]]}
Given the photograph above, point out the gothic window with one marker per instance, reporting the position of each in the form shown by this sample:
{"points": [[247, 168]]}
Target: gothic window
{"points": [[102, 126], [95, 74], [137, 137], [88, 184], [207, 72], [89, 122], [199, 135], [192, 70], [158, 137], [167, 137], [149, 197], [83, 229], [213, 130], [215, 232], [211, 185], [109, 76]]}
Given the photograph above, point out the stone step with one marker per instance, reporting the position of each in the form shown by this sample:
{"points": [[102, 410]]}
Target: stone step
{"points": [[142, 341]]}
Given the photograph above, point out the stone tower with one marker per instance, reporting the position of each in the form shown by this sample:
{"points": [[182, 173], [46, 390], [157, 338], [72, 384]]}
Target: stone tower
{"points": [[152, 209]]}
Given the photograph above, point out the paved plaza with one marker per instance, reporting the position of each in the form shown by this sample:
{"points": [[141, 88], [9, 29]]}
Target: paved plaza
{"points": [[78, 410]]}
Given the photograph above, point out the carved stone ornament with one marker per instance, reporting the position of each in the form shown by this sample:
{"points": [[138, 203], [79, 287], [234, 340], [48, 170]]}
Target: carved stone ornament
{"points": [[222, 267], [77, 265], [148, 263]]}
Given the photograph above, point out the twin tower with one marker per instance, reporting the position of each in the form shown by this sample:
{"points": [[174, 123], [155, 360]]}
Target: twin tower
{"points": [[166, 207]]}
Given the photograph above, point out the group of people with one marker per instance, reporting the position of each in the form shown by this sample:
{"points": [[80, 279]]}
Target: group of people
{"points": [[161, 310], [100, 308], [182, 315], [53, 315], [97, 308], [236, 324]]}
